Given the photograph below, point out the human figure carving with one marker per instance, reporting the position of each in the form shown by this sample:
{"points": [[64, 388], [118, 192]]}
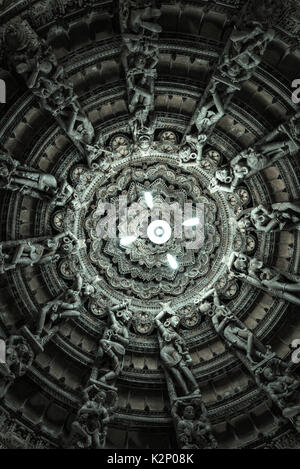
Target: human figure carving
{"points": [[93, 155], [253, 160], [26, 180], [227, 179], [193, 428], [63, 194], [284, 139], [24, 253], [141, 16], [207, 117], [246, 51], [276, 379], [78, 126], [235, 333], [36, 62], [174, 353], [139, 58], [89, 429], [112, 344], [244, 165], [19, 357], [197, 143], [65, 306], [284, 285], [280, 216]]}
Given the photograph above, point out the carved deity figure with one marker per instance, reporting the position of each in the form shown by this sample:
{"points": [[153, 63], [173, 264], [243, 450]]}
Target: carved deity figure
{"points": [[244, 165], [207, 116], [93, 155], [174, 353], [112, 345], [197, 144], [188, 153], [58, 101], [235, 333], [77, 125], [26, 180], [227, 179], [284, 139], [192, 425], [280, 216], [276, 379], [24, 253], [42, 74], [284, 285], [66, 195], [65, 306], [140, 17], [89, 428], [253, 161], [140, 69], [35, 60], [19, 357], [63, 194], [246, 51], [139, 58]]}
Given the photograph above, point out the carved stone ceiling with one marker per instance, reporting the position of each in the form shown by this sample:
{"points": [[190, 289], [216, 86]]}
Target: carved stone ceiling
{"points": [[149, 104]]}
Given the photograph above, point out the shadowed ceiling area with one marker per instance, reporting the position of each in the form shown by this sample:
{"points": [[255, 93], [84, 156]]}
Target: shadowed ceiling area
{"points": [[150, 224]]}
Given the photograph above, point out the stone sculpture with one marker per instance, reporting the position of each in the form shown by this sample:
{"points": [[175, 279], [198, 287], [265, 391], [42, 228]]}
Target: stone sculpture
{"points": [[192, 425], [227, 179], [283, 285], [283, 140], [65, 306], [25, 180], [207, 117], [112, 344], [35, 61], [246, 49], [174, 353], [89, 429], [29, 252], [277, 380], [19, 357], [139, 58], [281, 216], [235, 333], [244, 165]]}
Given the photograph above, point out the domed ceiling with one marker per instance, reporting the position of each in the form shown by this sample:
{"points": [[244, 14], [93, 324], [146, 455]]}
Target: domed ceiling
{"points": [[150, 224]]}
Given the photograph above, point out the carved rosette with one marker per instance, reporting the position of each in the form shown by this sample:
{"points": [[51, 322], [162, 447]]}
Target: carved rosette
{"points": [[112, 205]]}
